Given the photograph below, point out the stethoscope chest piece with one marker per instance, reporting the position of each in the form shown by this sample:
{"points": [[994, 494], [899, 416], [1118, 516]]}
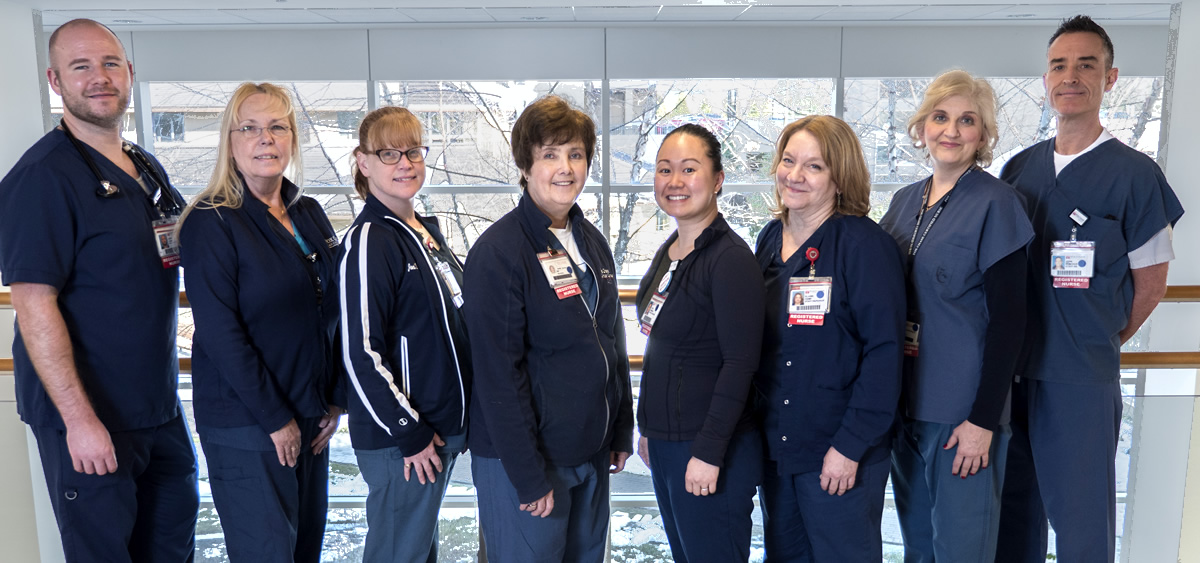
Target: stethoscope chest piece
{"points": [[107, 189]]}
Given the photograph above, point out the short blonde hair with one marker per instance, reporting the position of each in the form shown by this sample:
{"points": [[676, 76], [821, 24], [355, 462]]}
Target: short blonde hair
{"points": [[975, 90], [843, 154], [387, 127]]}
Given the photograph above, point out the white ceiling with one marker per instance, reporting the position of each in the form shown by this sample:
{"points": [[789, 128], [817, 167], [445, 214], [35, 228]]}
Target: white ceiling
{"points": [[257, 13]]}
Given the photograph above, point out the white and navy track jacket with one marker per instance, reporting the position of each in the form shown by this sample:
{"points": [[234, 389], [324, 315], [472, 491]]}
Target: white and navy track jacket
{"points": [[403, 339]]}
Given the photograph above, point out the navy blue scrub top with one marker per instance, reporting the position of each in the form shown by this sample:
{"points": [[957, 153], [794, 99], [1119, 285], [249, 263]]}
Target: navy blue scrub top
{"points": [[982, 222], [118, 301], [1073, 334]]}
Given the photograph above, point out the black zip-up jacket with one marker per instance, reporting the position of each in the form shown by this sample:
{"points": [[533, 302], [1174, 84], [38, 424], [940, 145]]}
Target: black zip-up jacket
{"points": [[704, 348], [264, 351], [551, 380], [408, 371]]}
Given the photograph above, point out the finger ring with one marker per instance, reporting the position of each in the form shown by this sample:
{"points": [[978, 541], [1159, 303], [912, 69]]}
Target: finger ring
{"points": [[703, 488], [407, 465]]}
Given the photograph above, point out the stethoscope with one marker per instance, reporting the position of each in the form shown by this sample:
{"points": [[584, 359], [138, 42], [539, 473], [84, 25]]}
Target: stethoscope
{"points": [[108, 189]]}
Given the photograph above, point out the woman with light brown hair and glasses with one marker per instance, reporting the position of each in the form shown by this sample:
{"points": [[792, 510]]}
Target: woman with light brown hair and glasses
{"points": [[259, 263], [404, 341]]}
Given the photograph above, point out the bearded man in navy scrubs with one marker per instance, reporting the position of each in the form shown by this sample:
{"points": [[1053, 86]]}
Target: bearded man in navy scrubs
{"points": [[95, 287], [1107, 210]]}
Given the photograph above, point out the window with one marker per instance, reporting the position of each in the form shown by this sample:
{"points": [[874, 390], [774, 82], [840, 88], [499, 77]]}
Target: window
{"points": [[168, 125]]}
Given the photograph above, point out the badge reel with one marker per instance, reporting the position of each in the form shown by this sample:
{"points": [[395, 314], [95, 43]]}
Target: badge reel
{"points": [[166, 242], [657, 300], [809, 298], [560, 273], [912, 338], [1072, 261], [447, 275]]}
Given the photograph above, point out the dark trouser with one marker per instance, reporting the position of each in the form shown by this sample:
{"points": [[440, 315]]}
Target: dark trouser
{"points": [[576, 531], [270, 512], [943, 516], [806, 524], [402, 516], [145, 511], [1061, 466], [714, 527]]}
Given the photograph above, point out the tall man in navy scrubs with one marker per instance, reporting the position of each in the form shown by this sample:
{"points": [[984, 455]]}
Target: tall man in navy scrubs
{"points": [[1102, 213], [96, 293]]}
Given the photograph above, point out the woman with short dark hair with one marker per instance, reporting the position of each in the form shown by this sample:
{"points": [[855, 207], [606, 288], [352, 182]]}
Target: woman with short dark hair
{"points": [[551, 411]]}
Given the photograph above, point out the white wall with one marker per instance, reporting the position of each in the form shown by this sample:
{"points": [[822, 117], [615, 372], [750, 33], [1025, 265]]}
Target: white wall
{"points": [[20, 104]]}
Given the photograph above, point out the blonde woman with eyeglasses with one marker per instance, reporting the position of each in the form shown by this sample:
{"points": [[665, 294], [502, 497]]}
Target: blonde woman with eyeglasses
{"points": [[259, 262]]}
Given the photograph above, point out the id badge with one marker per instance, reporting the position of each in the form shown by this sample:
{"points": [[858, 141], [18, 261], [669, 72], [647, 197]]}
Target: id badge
{"points": [[652, 311], [808, 300], [1072, 263], [560, 274], [912, 338], [165, 241], [447, 275]]}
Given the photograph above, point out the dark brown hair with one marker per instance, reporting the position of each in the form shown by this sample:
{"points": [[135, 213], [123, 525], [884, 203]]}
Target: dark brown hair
{"points": [[550, 121]]}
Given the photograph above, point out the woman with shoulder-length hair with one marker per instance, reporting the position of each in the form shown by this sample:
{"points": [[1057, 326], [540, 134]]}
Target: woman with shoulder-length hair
{"points": [[259, 264], [405, 343], [964, 233], [701, 308], [551, 413], [830, 369]]}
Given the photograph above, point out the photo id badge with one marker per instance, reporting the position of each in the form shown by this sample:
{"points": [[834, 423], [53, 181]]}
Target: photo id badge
{"points": [[165, 241], [652, 311], [1071, 263], [447, 276], [808, 300], [559, 273], [912, 338]]}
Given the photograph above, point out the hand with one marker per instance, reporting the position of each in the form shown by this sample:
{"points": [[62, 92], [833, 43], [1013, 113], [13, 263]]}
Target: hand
{"points": [[644, 450], [701, 478], [541, 507], [616, 461], [973, 444], [837, 473], [328, 424], [425, 462], [91, 447], [287, 443]]}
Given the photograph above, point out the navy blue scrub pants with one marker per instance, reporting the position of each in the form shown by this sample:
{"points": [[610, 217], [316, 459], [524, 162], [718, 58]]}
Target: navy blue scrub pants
{"points": [[402, 516], [145, 511], [805, 524], [270, 512], [944, 517], [1061, 466], [715, 527], [576, 531]]}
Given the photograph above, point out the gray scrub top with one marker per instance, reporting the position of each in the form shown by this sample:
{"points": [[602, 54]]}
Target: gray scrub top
{"points": [[982, 222]]}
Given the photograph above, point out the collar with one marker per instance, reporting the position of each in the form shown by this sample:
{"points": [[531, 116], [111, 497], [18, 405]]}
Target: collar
{"points": [[538, 222], [290, 193]]}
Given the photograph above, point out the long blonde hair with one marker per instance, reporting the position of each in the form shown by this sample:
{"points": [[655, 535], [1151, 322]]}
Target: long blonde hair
{"points": [[225, 188]]}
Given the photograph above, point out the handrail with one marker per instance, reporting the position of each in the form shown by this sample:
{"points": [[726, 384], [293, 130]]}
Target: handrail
{"points": [[1175, 294], [1129, 360]]}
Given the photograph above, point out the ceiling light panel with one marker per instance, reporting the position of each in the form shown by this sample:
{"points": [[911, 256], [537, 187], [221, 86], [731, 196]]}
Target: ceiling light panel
{"points": [[196, 17], [699, 13], [106, 17], [939, 13], [447, 15], [616, 13], [558, 14], [281, 16], [365, 15], [866, 13], [783, 13]]}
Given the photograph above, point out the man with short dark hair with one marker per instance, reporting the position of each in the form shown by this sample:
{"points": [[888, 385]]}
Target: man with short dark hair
{"points": [[1104, 212], [95, 288]]}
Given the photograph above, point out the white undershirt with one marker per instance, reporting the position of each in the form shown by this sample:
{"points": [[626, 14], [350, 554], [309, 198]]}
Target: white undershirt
{"points": [[1156, 250], [567, 240]]}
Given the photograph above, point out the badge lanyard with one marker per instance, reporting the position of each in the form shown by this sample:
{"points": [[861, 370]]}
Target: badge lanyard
{"points": [[809, 298], [1072, 262], [658, 299], [912, 329], [167, 209]]}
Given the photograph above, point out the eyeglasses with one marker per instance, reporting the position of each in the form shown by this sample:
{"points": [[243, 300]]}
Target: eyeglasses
{"points": [[392, 156], [255, 131]]}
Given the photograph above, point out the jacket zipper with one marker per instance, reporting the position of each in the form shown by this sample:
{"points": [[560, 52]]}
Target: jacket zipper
{"points": [[596, 332], [462, 394]]}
